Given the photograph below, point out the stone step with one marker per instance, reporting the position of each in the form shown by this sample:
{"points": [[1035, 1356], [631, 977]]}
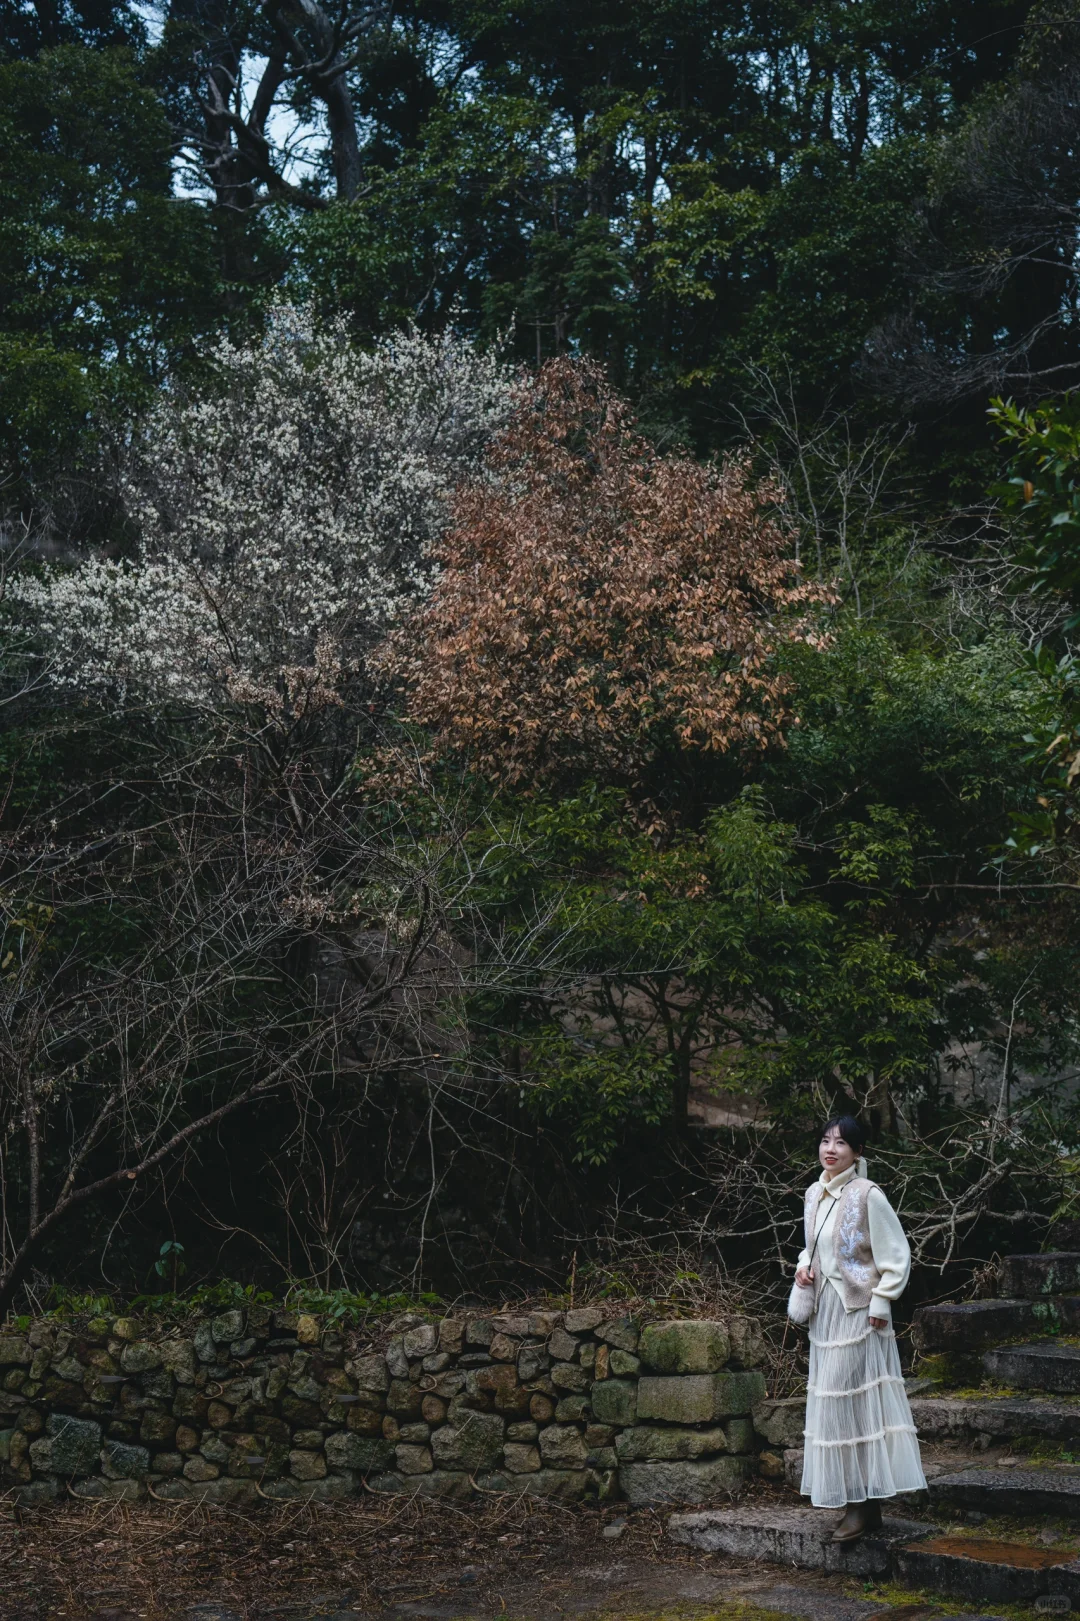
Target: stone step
{"points": [[989, 1419], [1028, 1276], [967, 1326], [1043, 1365], [984, 1568], [809, 1603], [793, 1536], [1013, 1491]]}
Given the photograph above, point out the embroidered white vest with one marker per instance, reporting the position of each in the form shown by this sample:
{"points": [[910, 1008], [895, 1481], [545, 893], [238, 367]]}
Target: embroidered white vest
{"points": [[850, 1239]]}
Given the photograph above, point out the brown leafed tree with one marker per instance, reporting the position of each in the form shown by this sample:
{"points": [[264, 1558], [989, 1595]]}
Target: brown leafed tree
{"points": [[600, 603]]}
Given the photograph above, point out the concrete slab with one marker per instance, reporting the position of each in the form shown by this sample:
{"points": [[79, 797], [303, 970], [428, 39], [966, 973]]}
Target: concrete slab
{"points": [[971, 1418], [1056, 1272], [1053, 1491], [793, 1536], [982, 1568], [1038, 1366]]}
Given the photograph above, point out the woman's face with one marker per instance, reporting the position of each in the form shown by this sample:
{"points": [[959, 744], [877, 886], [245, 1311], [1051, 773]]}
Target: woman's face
{"points": [[835, 1154]]}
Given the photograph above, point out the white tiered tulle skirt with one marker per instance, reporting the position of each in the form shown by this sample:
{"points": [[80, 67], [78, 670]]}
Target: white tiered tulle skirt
{"points": [[860, 1441]]}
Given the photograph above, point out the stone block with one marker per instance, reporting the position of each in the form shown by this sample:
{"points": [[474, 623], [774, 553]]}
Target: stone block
{"points": [[621, 1363], [663, 1444], [619, 1332], [747, 1341], [308, 1328], [525, 1431], [120, 1462], [541, 1408], [109, 1491], [15, 1348], [452, 1335], [1025, 1277], [420, 1342], [304, 1465], [504, 1349], [983, 1568], [985, 1419], [781, 1422], [139, 1358], [517, 1327], [199, 1469], [453, 1485], [583, 1319], [564, 1485], [562, 1446], [614, 1401], [520, 1458], [532, 1361], [227, 1326], [412, 1459], [157, 1428], [569, 1376], [791, 1536], [403, 1399], [1038, 1493], [474, 1441], [369, 1372], [346, 1450], [695, 1346], [437, 1362], [74, 1445], [572, 1410], [499, 1382], [563, 1347], [706, 1481], [740, 1434], [542, 1323], [479, 1332], [167, 1463], [698, 1398]]}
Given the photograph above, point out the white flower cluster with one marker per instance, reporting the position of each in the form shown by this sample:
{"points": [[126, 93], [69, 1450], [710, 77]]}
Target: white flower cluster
{"points": [[284, 514]]}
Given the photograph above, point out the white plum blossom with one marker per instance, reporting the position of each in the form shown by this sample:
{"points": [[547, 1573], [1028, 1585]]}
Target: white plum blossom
{"points": [[284, 515]]}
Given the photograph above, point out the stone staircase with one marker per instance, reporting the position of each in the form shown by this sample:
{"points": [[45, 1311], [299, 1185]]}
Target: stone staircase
{"points": [[996, 1399]]}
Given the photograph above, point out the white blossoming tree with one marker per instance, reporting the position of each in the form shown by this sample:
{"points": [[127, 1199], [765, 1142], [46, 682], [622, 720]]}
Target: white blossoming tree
{"points": [[283, 516]]}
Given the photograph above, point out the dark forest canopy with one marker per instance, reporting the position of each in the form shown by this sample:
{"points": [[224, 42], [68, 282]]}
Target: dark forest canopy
{"points": [[531, 662]]}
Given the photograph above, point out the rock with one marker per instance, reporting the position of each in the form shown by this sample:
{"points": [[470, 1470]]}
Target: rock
{"points": [[120, 1462], [569, 1376], [227, 1326], [455, 1486], [542, 1323], [740, 1434], [541, 1408], [500, 1383], [587, 1354], [685, 1347], [474, 1441], [178, 1358], [1055, 1368], [219, 1416], [419, 1342], [690, 1482], [583, 1319], [614, 1401], [109, 1491], [200, 1469], [14, 1349], [771, 1465], [157, 1428], [369, 1372], [167, 1463], [613, 1530], [479, 1332], [126, 1328], [504, 1349], [414, 1434], [520, 1458], [140, 1357], [240, 1350], [564, 1485], [414, 1460], [697, 1398], [781, 1421], [620, 1332], [308, 1329], [532, 1360], [621, 1363], [345, 1450], [396, 1360], [562, 1447], [304, 1465], [452, 1335], [793, 1467], [74, 1445], [436, 1362], [1056, 1272], [1038, 1493], [433, 1409], [37, 1491], [602, 1361], [514, 1326], [562, 1347], [526, 1431], [572, 1410], [651, 1443], [403, 1399]]}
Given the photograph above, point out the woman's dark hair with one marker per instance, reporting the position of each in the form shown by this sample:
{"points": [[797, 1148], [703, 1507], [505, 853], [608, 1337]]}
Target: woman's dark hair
{"points": [[849, 1129]]}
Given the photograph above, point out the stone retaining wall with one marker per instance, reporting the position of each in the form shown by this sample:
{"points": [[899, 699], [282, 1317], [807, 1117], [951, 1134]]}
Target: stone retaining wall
{"points": [[253, 1402]]}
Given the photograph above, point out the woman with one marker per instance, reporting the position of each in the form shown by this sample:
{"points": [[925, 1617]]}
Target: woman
{"points": [[861, 1446]]}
